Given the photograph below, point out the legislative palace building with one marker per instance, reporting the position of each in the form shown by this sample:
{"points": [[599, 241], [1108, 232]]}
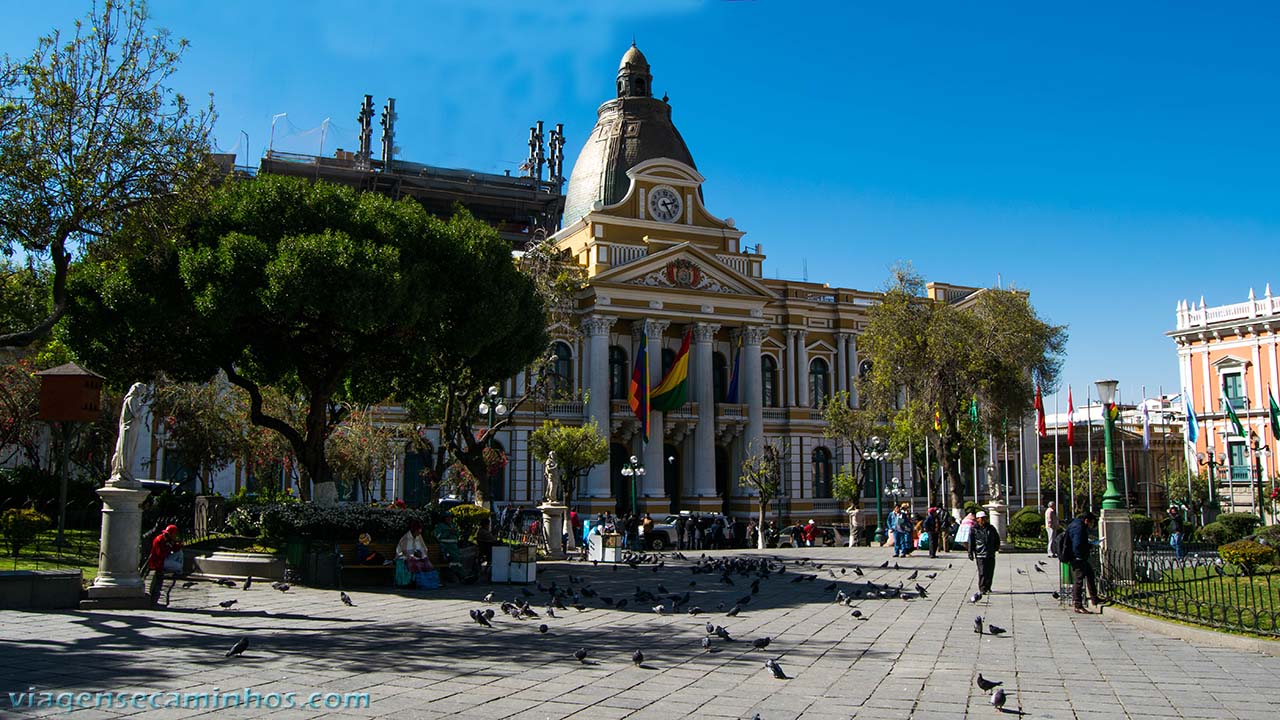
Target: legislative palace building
{"points": [[659, 263]]}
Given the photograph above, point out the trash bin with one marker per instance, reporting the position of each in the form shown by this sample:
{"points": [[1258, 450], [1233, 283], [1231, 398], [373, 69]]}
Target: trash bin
{"points": [[500, 566]]}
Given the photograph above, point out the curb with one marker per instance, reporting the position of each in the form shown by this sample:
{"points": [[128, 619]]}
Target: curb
{"points": [[1196, 635]]}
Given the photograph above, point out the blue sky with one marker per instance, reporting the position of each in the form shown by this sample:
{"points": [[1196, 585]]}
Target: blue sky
{"points": [[1109, 160]]}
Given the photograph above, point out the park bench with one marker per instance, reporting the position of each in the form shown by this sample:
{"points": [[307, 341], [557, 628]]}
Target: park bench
{"points": [[352, 573]]}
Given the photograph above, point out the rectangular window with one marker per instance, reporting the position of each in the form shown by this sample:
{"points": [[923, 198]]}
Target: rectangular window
{"points": [[1233, 387], [1239, 460]]}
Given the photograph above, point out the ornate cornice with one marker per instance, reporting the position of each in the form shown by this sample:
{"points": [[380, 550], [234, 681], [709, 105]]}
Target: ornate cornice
{"points": [[597, 325]]}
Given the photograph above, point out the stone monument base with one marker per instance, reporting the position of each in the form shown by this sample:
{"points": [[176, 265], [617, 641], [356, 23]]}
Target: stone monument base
{"points": [[997, 518], [553, 521], [118, 585], [1116, 533]]}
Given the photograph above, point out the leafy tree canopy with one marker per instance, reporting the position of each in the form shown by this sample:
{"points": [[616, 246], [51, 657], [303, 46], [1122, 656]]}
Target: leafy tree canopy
{"points": [[90, 131], [930, 359], [578, 448], [316, 289]]}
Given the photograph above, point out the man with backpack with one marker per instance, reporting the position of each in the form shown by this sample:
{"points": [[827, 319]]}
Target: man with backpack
{"points": [[1074, 549]]}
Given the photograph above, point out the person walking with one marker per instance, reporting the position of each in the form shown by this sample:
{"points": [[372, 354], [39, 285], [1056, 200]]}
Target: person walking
{"points": [[1078, 551], [1051, 523], [1176, 529], [984, 543], [681, 524], [904, 530], [891, 524]]}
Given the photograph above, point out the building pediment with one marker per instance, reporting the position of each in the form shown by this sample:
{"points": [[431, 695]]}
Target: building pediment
{"points": [[685, 267], [1230, 363]]}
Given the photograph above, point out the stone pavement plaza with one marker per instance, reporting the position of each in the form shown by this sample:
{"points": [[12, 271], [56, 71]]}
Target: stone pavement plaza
{"points": [[421, 656]]}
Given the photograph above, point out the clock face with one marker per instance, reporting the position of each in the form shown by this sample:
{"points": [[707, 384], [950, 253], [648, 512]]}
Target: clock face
{"points": [[665, 203]]}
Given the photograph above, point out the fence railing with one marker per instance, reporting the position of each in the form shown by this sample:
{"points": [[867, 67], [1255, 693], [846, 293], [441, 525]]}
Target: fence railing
{"points": [[1198, 588]]}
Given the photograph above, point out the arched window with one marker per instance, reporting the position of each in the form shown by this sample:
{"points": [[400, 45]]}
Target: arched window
{"points": [[668, 359], [819, 390], [769, 380], [618, 379], [561, 370], [821, 472], [719, 377]]}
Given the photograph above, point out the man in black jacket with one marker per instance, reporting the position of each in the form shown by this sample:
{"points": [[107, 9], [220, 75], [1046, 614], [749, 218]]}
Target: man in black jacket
{"points": [[984, 543], [1078, 551]]}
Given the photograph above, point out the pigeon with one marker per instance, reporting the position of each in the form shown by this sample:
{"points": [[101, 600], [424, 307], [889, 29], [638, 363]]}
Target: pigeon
{"points": [[1056, 595], [226, 604], [238, 649], [997, 699], [247, 582], [761, 643], [995, 629], [931, 575], [529, 612], [857, 571], [734, 612], [1020, 571], [283, 587], [977, 624], [986, 684], [551, 612], [188, 584], [896, 566], [884, 564], [228, 583], [723, 634], [975, 597], [920, 589], [711, 629], [488, 613], [480, 618], [346, 599], [579, 607], [1039, 569], [542, 628], [695, 610], [775, 668], [914, 574], [706, 644], [843, 571], [856, 613], [580, 655], [659, 609], [488, 597], [637, 658]]}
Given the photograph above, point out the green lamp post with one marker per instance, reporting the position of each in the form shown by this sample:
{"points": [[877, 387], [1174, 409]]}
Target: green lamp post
{"points": [[877, 451], [1112, 499]]}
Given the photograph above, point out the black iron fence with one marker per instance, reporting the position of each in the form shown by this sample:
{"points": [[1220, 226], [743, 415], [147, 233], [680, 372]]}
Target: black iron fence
{"points": [[1198, 588]]}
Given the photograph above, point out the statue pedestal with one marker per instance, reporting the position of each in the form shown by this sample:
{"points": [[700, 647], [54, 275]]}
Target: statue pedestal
{"points": [[997, 518], [1116, 533], [118, 585], [553, 519]]}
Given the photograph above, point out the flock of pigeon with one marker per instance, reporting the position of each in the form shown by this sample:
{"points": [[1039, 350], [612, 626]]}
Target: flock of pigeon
{"points": [[723, 573]]}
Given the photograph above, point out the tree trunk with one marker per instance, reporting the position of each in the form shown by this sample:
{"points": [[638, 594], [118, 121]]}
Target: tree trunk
{"points": [[954, 481], [760, 529]]}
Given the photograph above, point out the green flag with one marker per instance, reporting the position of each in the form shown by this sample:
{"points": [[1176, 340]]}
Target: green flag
{"points": [[1275, 413], [973, 414], [1231, 414]]}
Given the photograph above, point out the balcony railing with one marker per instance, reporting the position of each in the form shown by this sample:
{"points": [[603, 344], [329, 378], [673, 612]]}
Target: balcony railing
{"points": [[1238, 473], [1238, 403]]}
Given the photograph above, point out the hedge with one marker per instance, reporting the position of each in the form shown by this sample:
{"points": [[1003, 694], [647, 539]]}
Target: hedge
{"points": [[1247, 555], [277, 522], [1238, 525], [1026, 523]]}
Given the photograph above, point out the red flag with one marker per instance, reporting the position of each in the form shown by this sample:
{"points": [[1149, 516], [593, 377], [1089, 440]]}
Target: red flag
{"points": [[1071, 419], [1039, 412]]}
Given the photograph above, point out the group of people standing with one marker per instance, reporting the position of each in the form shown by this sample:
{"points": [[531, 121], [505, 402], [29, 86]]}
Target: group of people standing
{"points": [[914, 531]]}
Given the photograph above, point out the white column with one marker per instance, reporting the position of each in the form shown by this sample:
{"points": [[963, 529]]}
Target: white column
{"points": [[853, 370], [704, 434], [842, 362], [788, 369], [751, 384], [597, 329], [654, 462], [802, 369]]}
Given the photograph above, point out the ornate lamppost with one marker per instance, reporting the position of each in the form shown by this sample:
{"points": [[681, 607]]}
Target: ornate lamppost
{"points": [[1117, 529], [494, 407], [877, 451], [633, 470]]}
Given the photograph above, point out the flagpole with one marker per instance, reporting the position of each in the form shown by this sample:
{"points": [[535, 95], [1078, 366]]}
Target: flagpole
{"points": [[928, 476], [1088, 418], [1022, 468], [1057, 503], [1004, 439], [1189, 458], [1071, 451], [1146, 444], [1124, 453]]}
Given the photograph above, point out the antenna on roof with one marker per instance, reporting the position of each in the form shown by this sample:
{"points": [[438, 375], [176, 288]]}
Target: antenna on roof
{"points": [[804, 269]]}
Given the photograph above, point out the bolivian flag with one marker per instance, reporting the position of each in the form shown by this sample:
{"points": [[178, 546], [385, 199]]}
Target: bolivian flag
{"points": [[672, 392]]}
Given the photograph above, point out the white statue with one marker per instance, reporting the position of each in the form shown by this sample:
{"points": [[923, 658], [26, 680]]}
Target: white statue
{"points": [[127, 439], [553, 493], [993, 488]]}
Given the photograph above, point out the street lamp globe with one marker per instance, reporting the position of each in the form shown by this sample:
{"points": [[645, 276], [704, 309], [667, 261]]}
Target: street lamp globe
{"points": [[484, 408], [1107, 391]]}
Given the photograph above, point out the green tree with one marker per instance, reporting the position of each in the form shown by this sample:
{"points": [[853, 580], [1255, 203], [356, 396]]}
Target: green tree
{"points": [[339, 297], [929, 358], [762, 472], [203, 425], [856, 426], [90, 131], [1069, 478], [363, 449], [578, 448]]}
